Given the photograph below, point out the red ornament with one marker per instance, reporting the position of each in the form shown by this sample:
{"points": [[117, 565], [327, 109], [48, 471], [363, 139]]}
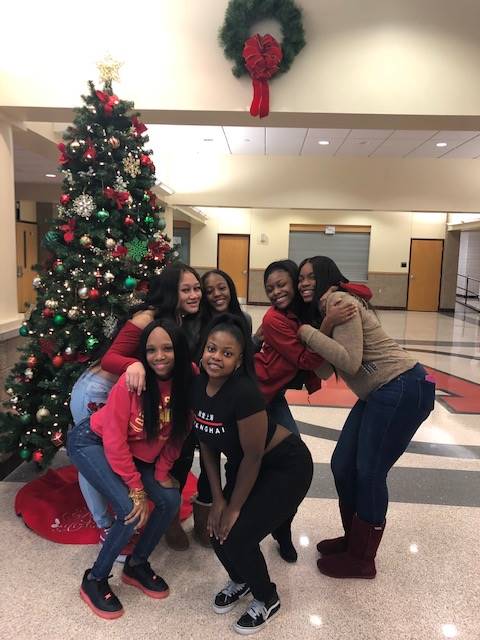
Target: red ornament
{"points": [[128, 221], [89, 153], [32, 361], [37, 455], [48, 313], [64, 199], [145, 160], [120, 250], [94, 294], [262, 55], [64, 159], [57, 361], [68, 229]]}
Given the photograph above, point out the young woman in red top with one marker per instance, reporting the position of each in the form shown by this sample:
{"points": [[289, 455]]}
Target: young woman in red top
{"points": [[126, 450], [175, 294], [283, 356]]}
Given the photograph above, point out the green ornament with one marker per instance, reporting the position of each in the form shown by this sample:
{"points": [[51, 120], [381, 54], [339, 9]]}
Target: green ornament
{"points": [[146, 197], [149, 219], [50, 239], [91, 342], [24, 453], [60, 268], [130, 282], [23, 331], [103, 215], [161, 224], [25, 419], [59, 320]]}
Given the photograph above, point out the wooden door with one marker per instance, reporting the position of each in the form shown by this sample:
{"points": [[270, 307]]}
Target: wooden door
{"points": [[27, 256], [233, 257], [425, 275]]}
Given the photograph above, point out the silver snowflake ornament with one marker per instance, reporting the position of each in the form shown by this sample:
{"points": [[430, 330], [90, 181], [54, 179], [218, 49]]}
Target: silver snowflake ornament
{"points": [[84, 205]]}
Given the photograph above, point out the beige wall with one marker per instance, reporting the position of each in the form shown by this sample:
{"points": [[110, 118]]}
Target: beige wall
{"points": [[28, 211], [390, 237]]}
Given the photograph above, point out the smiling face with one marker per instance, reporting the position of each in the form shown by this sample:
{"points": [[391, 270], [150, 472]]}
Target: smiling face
{"points": [[222, 355], [307, 282], [279, 289], [189, 293], [217, 292], [159, 353]]}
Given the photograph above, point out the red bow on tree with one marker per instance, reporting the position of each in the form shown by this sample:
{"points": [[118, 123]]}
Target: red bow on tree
{"points": [[119, 251], [64, 159], [139, 126], [262, 55], [108, 101], [68, 229], [157, 249], [48, 346], [119, 197]]}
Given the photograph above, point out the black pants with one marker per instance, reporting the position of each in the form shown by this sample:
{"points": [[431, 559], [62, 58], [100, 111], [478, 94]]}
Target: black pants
{"points": [[282, 483]]}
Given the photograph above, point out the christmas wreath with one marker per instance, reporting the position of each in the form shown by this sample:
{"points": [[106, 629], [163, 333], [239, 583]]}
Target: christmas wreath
{"points": [[261, 56]]}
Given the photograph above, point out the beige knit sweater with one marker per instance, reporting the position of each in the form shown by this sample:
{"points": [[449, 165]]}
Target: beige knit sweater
{"points": [[360, 350]]}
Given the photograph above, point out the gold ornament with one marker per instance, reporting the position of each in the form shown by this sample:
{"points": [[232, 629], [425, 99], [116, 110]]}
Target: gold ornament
{"points": [[131, 166], [42, 413], [108, 69]]}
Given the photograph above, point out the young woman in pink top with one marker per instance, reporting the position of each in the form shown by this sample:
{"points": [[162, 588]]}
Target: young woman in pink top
{"points": [[126, 450]]}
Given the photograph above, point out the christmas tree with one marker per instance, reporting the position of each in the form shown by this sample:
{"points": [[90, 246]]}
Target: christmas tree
{"points": [[105, 244]]}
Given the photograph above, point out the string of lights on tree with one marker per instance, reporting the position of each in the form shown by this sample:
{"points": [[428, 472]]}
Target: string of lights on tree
{"points": [[105, 243]]}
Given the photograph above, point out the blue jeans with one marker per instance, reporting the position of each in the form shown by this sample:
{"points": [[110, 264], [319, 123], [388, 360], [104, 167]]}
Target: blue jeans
{"points": [[86, 451], [377, 431], [91, 386], [279, 411]]}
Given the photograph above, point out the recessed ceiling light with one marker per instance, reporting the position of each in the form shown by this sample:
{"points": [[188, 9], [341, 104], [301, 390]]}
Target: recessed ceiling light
{"points": [[208, 139], [324, 142], [246, 140], [441, 144], [50, 175]]}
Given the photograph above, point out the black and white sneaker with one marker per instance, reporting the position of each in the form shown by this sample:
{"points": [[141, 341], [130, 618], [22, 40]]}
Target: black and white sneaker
{"points": [[257, 616], [228, 597]]}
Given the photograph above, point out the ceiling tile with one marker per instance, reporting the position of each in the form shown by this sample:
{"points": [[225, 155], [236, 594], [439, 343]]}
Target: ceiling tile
{"points": [[287, 142], [246, 140]]}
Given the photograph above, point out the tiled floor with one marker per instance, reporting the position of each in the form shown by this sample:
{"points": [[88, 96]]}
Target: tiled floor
{"points": [[427, 585]]}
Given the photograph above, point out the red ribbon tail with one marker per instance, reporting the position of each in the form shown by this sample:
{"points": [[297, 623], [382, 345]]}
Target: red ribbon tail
{"points": [[261, 103]]}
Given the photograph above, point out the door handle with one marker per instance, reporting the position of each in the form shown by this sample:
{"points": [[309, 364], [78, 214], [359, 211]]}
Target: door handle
{"points": [[244, 272], [19, 271], [412, 277]]}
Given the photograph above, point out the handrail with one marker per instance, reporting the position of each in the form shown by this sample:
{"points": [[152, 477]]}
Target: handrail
{"points": [[468, 291]]}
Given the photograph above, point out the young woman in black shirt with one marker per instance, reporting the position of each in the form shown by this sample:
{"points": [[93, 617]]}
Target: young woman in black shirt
{"points": [[268, 473]]}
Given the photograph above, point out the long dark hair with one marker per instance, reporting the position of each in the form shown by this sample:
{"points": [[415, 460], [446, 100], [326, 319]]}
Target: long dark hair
{"points": [[237, 328], [292, 270], [182, 377], [162, 295], [327, 274], [234, 305]]}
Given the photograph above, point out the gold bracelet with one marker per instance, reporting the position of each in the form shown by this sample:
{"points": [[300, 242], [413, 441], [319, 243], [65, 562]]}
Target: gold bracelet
{"points": [[137, 496]]}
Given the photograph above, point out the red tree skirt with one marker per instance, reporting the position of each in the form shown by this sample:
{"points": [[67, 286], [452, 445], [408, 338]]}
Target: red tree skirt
{"points": [[53, 506]]}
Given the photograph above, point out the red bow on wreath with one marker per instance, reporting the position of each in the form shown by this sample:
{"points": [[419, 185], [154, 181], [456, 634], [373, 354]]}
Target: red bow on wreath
{"points": [[262, 55], [139, 126], [64, 159], [119, 197], [68, 229], [108, 101]]}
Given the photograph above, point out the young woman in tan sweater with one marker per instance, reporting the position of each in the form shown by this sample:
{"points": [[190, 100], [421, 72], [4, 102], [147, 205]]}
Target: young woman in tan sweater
{"points": [[395, 397]]}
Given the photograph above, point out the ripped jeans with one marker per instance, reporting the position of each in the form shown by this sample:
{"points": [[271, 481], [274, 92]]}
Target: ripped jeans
{"points": [[86, 451]]}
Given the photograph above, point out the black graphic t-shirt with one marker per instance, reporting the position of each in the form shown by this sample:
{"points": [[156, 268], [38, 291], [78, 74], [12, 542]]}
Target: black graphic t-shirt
{"points": [[215, 419]]}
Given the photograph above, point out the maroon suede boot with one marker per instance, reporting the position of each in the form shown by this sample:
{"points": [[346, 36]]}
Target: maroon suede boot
{"points": [[359, 559], [338, 545]]}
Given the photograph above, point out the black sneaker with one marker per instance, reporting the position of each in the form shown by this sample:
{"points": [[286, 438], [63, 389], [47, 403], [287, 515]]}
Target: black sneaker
{"points": [[287, 551], [228, 597], [144, 578], [100, 598], [257, 616]]}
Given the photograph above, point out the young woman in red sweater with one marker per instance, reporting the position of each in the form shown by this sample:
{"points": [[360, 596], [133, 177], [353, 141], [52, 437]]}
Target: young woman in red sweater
{"points": [[126, 451], [283, 356], [175, 294]]}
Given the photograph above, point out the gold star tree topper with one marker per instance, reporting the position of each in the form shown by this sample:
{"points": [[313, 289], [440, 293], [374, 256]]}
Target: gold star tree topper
{"points": [[109, 69]]}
